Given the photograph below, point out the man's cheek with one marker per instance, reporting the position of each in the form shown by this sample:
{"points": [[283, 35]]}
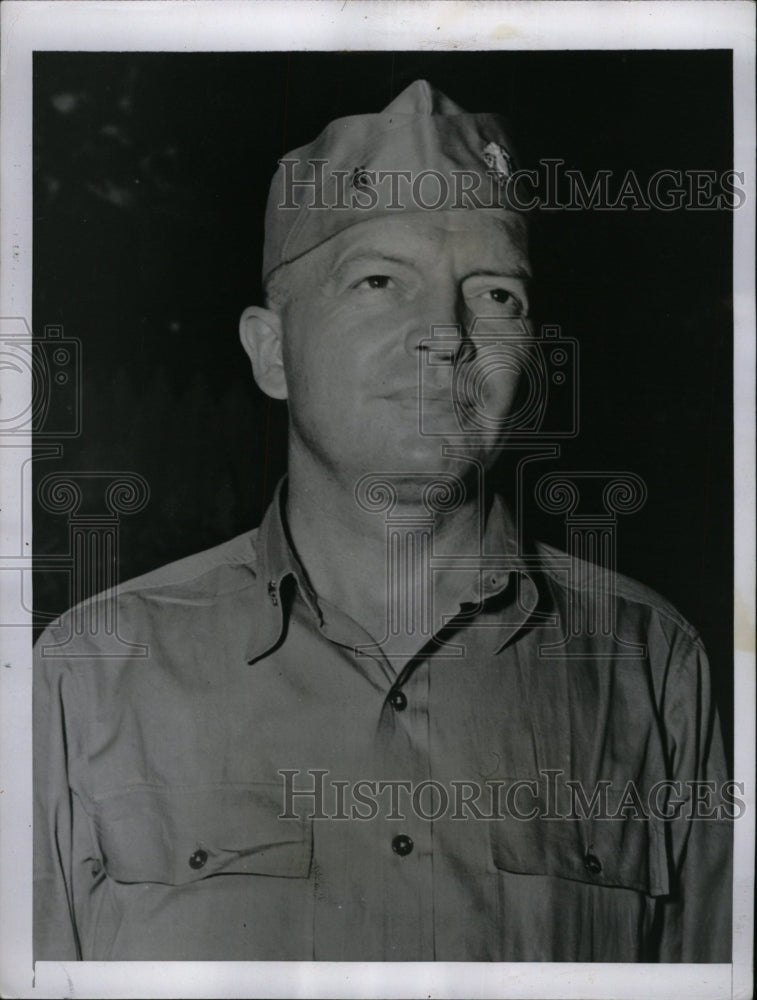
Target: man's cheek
{"points": [[504, 390], [487, 389]]}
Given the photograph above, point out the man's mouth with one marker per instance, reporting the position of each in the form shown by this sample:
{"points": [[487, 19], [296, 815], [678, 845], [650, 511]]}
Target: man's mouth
{"points": [[413, 395]]}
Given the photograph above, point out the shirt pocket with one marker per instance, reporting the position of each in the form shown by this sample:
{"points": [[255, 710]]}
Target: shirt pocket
{"points": [[625, 853], [578, 890], [177, 836]]}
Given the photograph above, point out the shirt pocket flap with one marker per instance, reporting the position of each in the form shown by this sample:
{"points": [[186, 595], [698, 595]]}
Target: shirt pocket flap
{"points": [[177, 836], [624, 852]]}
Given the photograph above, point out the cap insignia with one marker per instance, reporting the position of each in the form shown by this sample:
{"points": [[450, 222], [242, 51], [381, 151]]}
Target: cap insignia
{"points": [[498, 160], [360, 178]]}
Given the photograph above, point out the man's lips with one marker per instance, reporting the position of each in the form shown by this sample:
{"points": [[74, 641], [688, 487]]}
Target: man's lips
{"points": [[413, 395]]}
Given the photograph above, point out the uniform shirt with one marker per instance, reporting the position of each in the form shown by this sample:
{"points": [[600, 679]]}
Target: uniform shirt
{"points": [[169, 825]]}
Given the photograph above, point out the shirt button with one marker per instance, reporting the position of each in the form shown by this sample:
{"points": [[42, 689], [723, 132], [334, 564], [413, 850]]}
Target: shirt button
{"points": [[272, 592], [592, 864], [402, 844], [398, 700], [198, 859]]}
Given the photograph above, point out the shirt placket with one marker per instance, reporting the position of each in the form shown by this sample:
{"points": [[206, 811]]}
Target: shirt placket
{"points": [[379, 868], [403, 748]]}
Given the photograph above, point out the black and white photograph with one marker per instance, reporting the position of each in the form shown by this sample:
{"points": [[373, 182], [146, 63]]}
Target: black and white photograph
{"points": [[377, 443]]}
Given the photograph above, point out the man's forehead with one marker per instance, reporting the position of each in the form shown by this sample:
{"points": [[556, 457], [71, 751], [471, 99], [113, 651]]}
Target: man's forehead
{"points": [[472, 234]]}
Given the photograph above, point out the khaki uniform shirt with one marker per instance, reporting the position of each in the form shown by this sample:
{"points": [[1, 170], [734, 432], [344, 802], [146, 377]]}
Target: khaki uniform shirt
{"points": [[253, 779]]}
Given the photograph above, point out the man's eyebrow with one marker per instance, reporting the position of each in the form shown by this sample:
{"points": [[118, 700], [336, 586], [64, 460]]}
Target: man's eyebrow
{"points": [[370, 256], [516, 271]]}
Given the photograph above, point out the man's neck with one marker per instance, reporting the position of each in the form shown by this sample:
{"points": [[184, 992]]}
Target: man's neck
{"points": [[340, 536]]}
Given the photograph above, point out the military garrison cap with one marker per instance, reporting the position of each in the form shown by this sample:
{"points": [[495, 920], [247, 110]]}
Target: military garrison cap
{"points": [[421, 153]]}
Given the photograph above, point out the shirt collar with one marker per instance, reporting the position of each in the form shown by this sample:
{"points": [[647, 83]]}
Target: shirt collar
{"points": [[278, 564], [504, 563], [500, 553]]}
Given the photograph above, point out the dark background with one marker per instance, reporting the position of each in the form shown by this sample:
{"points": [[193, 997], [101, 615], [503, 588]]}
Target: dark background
{"points": [[151, 174]]}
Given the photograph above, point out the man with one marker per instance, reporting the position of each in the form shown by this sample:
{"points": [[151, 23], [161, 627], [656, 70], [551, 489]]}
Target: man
{"points": [[370, 729]]}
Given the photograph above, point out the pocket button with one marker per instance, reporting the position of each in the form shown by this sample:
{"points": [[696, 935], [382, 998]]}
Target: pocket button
{"points": [[198, 859], [592, 864]]}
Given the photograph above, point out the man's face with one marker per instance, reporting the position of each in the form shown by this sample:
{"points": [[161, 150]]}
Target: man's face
{"points": [[354, 323]]}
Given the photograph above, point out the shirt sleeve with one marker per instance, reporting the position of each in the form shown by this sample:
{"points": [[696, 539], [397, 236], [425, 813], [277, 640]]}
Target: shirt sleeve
{"points": [[696, 917], [55, 937]]}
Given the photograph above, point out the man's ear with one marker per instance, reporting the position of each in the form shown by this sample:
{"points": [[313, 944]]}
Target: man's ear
{"points": [[260, 333]]}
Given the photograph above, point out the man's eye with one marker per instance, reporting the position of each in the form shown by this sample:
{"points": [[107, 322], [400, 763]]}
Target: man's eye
{"points": [[375, 281], [509, 303]]}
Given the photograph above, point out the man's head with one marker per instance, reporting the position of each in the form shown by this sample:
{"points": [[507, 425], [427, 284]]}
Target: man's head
{"points": [[417, 239]]}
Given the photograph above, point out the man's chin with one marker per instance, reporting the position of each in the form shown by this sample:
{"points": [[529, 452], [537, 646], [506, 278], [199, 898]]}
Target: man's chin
{"points": [[445, 453]]}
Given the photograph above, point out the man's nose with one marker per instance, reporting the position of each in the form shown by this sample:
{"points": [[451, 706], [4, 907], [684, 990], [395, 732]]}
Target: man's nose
{"points": [[442, 309]]}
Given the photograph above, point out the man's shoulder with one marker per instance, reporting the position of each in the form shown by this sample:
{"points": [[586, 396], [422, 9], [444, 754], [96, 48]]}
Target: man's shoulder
{"points": [[580, 577], [232, 562], [200, 579]]}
